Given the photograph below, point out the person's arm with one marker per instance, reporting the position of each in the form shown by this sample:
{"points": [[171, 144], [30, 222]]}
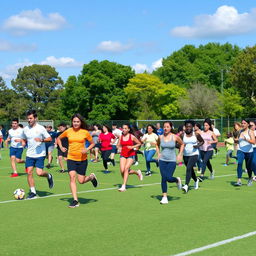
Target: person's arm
{"points": [[7, 141], [252, 137], [181, 148], [215, 140], [200, 141], [158, 147], [92, 144], [136, 141], [58, 141]]}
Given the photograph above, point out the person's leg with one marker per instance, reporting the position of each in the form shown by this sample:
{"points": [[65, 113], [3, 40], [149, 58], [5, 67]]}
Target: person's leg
{"points": [[60, 160], [191, 161], [254, 161], [204, 161], [150, 155], [240, 159], [96, 154], [128, 164], [248, 163], [72, 176], [207, 158], [13, 164], [146, 152], [105, 162], [163, 171]]}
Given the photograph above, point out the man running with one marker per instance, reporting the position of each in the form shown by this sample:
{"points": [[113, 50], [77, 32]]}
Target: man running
{"points": [[15, 136], [36, 136], [50, 145]]}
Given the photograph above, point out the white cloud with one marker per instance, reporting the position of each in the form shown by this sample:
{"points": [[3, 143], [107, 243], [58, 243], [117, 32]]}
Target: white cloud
{"points": [[113, 47], [61, 62], [33, 20], [141, 68], [226, 21], [6, 46]]}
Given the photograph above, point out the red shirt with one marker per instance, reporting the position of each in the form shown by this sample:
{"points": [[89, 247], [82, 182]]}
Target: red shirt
{"points": [[127, 152], [105, 140]]}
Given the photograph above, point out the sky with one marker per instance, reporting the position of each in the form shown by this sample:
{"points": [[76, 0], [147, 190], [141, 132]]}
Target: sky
{"points": [[67, 34]]}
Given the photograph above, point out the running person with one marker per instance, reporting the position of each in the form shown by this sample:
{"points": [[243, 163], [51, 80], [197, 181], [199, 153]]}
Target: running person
{"points": [[15, 137], [62, 155], [1, 140], [95, 136], [127, 143], [167, 158], [117, 133], [206, 149], [253, 128], [192, 141], [77, 155], [50, 145], [36, 136], [246, 140], [150, 140]]}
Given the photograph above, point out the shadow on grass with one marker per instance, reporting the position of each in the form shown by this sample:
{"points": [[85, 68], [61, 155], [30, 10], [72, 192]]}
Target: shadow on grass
{"points": [[80, 200], [170, 198], [107, 172], [43, 193], [127, 186], [233, 183], [22, 174]]}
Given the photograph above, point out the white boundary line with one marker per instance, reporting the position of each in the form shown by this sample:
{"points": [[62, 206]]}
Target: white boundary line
{"points": [[96, 190], [230, 240]]}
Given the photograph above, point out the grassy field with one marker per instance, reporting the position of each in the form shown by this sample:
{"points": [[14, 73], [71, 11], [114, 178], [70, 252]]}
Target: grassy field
{"points": [[130, 223]]}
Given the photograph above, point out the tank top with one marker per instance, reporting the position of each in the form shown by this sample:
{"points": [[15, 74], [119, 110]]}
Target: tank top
{"points": [[254, 145], [126, 152], [190, 142], [244, 145], [207, 137], [168, 153]]}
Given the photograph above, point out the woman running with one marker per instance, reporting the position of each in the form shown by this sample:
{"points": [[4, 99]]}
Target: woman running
{"points": [[77, 155], [138, 134], [197, 129], [106, 138], [206, 149], [246, 140], [126, 144], [95, 136], [167, 158], [192, 141], [253, 128], [150, 140]]}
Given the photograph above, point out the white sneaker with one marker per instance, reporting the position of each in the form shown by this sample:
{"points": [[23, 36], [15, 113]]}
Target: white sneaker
{"points": [[122, 189], [179, 185], [185, 188], [136, 163], [164, 200], [212, 175], [140, 175], [196, 185]]}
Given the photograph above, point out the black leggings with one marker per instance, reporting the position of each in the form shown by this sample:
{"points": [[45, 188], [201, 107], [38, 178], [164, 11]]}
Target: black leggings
{"points": [[190, 162], [206, 156], [136, 155], [105, 157]]}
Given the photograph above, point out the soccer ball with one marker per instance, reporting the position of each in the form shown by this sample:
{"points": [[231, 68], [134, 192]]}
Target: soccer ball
{"points": [[19, 194]]}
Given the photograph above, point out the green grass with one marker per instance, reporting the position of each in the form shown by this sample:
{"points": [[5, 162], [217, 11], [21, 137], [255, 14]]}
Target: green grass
{"points": [[130, 223]]}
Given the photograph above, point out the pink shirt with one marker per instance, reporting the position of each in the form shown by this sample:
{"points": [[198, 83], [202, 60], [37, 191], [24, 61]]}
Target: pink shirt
{"points": [[105, 140], [207, 137]]}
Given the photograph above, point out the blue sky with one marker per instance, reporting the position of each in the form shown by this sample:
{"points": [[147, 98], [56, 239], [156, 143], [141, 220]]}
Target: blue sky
{"points": [[68, 34]]}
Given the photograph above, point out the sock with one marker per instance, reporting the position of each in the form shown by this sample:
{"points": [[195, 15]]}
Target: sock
{"points": [[33, 190]]}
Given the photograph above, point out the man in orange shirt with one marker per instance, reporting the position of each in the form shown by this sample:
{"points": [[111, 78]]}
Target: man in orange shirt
{"points": [[77, 155]]}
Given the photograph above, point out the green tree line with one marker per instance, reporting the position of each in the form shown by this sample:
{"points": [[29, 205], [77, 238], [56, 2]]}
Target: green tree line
{"points": [[210, 80]]}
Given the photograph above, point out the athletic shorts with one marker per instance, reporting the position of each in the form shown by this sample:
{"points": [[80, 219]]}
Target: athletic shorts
{"points": [[78, 166], [114, 149], [132, 157], [64, 154], [49, 149], [97, 145], [35, 162], [17, 152]]}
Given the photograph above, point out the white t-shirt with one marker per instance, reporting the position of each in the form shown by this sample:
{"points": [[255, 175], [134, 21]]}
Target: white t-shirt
{"points": [[16, 134], [1, 134], [117, 133], [148, 138], [216, 132], [36, 149]]}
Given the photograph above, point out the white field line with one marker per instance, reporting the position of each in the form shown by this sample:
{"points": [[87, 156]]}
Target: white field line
{"points": [[206, 247], [96, 190]]}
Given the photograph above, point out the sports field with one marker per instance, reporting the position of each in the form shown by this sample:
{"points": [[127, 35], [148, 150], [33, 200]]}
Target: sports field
{"points": [[131, 223]]}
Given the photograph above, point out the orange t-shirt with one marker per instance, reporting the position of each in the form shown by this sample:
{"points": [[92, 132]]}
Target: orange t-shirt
{"points": [[76, 142]]}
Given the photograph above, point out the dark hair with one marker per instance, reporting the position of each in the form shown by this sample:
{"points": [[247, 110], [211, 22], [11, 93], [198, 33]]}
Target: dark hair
{"points": [[135, 127], [108, 128], [130, 128], [80, 117], [180, 128], [229, 134], [32, 112], [49, 126], [198, 125], [246, 120], [21, 125], [114, 124], [170, 123], [62, 124], [153, 127], [15, 120], [253, 121], [209, 122], [189, 122], [98, 126]]}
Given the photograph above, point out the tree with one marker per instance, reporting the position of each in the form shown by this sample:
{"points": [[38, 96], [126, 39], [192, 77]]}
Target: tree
{"points": [[200, 102], [37, 84]]}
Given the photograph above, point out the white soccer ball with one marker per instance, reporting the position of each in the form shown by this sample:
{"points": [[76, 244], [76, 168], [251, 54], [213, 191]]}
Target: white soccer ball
{"points": [[19, 194]]}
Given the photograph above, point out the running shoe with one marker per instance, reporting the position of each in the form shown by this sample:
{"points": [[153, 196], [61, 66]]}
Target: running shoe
{"points": [[136, 163], [122, 189], [196, 185], [225, 165], [106, 171], [61, 171], [50, 180], [48, 166], [212, 175], [254, 178], [185, 188], [94, 181], [14, 175], [148, 173], [238, 184], [164, 200], [179, 185], [31, 195], [249, 183], [201, 178], [74, 204], [140, 175]]}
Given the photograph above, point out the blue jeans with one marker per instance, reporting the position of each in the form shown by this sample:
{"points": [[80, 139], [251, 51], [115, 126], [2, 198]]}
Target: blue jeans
{"points": [[167, 169], [206, 156], [254, 161], [248, 157], [149, 158]]}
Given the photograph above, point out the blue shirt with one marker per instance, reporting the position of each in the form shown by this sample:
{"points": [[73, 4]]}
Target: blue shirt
{"points": [[160, 131]]}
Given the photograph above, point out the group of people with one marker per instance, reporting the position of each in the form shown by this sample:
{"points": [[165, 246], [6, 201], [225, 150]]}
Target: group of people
{"points": [[191, 144]]}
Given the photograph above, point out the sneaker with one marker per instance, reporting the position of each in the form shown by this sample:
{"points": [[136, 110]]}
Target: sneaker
{"points": [[122, 189], [196, 185], [225, 165], [106, 171], [249, 182], [61, 171], [254, 178], [74, 204], [14, 175], [179, 185], [31, 195], [140, 175], [164, 200], [212, 175], [94, 181], [50, 180], [185, 188], [201, 178], [136, 163], [148, 173], [48, 166], [238, 184]]}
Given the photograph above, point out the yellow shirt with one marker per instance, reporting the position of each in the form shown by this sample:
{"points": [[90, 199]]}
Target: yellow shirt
{"points": [[229, 144], [76, 143]]}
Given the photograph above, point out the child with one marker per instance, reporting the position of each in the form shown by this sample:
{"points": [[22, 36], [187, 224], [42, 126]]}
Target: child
{"points": [[229, 143]]}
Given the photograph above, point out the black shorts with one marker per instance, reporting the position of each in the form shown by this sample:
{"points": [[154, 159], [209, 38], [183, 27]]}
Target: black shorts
{"points": [[64, 154], [78, 166]]}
